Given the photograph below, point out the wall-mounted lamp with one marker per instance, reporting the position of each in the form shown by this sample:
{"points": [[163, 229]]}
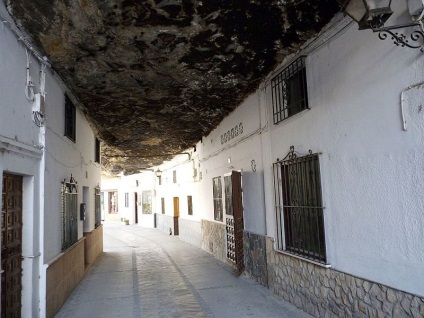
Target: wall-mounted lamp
{"points": [[373, 14], [158, 173]]}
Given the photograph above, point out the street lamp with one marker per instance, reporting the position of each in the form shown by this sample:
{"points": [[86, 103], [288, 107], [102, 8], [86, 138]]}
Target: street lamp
{"points": [[158, 173], [369, 14], [373, 14]]}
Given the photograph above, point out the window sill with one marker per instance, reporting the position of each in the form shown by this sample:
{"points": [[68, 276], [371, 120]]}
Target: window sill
{"points": [[303, 259]]}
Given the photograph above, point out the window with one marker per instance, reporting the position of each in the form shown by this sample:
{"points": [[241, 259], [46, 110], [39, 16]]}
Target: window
{"points": [[289, 91], [217, 199], [147, 202], [174, 176], [97, 150], [190, 205], [162, 203], [69, 213], [70, 119], [127, 199], [97, 207], [298, 202]]}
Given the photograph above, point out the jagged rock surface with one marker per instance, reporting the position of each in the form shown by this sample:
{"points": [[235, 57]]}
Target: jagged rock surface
{"points": [[155, 76]]}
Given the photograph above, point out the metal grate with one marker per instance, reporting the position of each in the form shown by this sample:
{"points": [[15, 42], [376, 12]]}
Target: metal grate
{"points": [[289, 91], [298, 206], [69, 213], [97, 206]]}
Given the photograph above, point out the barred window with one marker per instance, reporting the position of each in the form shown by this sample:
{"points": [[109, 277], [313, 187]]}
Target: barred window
{"points": [[289, 91], [97, 207], [217, 199], [69, 213], [70, 119], [298, 206]]}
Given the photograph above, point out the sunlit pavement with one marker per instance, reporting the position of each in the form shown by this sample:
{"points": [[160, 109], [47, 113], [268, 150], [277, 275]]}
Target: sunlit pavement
{"points": [[147, 273]]}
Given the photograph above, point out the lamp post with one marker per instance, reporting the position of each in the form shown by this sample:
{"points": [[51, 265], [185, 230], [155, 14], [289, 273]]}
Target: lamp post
{"points": [[373, 14]]}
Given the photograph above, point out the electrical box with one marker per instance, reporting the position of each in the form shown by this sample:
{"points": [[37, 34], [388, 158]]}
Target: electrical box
{"points": [[416, 7], [83, 208]]}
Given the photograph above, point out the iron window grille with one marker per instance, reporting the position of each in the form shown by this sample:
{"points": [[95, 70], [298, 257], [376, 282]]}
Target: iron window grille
{"points": [[70, 119], [97, 207], [289, 91], [97, 150], [69, 198], [162, 202], [147, 202], [217, 199], [298, 206], [190, 205]]}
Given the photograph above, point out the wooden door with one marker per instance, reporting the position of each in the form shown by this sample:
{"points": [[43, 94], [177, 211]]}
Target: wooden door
{"points": [[234, 219], [11, 246], [135, 208], [176, 215]]}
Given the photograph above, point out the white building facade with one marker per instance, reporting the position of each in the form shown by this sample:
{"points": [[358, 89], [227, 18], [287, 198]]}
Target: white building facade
{"points": [[330, 153], [45, 143]]}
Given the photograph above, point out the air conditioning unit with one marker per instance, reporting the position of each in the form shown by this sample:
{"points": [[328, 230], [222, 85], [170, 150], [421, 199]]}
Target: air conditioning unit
{"points": [[416, 7]]}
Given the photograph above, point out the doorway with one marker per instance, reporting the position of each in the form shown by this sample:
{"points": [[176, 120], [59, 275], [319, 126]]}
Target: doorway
{"points": [[234, 219], [135, 208], [11, 249], [176, 215]]}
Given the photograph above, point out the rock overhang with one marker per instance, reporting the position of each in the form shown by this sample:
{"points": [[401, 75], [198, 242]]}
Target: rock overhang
{"points": [[155, 76]]}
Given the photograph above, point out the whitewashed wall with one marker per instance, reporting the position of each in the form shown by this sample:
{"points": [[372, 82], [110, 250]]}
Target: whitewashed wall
{"points": [[21, 154], [63, 158], [372, 171], [44, 157], [219, 158]]}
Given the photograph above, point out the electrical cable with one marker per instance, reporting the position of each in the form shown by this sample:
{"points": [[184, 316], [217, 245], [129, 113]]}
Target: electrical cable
{"points": [[29, 85]]}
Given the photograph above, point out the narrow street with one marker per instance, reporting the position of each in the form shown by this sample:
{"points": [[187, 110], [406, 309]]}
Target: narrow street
{"points": [[146, 273]]}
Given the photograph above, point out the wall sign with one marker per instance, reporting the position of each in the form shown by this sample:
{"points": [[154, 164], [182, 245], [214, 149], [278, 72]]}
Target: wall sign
{"points": [[232, 133]]}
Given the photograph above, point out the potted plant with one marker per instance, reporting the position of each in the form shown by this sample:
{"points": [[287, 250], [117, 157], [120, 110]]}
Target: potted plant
{"points": [[127, 222]]}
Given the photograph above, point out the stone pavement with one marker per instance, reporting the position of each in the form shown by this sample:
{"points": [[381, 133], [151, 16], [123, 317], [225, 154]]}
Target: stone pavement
{"points": [[147, 273]]}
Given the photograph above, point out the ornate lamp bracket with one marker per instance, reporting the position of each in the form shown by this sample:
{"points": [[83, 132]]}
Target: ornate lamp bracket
{"points": [[414, 40]]}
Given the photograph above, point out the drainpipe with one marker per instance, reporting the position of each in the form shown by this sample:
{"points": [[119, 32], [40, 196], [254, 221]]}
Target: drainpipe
{"points": [[402, 100]]}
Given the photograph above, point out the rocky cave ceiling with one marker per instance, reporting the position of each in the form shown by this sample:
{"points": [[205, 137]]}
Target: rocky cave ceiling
{"points": [[154, 76]]}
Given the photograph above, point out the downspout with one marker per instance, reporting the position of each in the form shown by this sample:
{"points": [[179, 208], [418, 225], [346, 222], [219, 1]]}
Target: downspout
{"points": [[402, 101]]}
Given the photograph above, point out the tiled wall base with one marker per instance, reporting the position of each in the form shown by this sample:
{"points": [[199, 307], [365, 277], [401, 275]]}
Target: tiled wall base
{"points": [[63, 275], [213, 239], [93, 245], [255, 257], [325, 292], [165, 222], [191, 232]]}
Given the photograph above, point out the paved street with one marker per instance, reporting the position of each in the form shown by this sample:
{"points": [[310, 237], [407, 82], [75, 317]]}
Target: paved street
{"points": [[146, 273]]}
